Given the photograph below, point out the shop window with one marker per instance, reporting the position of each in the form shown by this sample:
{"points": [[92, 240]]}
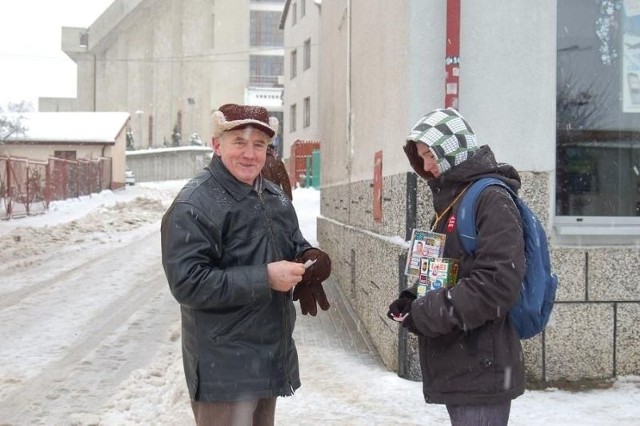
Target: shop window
{"points": [[598, 118]]}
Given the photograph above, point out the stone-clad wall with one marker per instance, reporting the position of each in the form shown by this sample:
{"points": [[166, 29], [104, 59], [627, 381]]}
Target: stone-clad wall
{"points": [[593, 331]]}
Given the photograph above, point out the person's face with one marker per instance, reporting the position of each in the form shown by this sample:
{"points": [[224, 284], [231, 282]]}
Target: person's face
{"points": [[429, 161], [243, 152]]}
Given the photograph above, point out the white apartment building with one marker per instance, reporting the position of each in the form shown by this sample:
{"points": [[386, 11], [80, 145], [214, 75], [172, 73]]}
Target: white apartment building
{"points": [[301, 24]]}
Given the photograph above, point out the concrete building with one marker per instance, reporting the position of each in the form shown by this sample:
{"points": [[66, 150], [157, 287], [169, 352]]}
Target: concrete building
{"points": [[542, 83], [170, 63], [301, 24]]}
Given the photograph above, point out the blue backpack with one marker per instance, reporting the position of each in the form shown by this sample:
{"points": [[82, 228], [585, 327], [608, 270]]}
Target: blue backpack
{"points": [[531, 313]]}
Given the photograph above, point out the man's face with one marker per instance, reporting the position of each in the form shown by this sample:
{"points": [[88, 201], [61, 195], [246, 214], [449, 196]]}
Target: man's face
{"points": [[429, 161], [243, 152]]}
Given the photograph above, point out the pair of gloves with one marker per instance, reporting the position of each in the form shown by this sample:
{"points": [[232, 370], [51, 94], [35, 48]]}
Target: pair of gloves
{"points": [[402, 306], [309, 291]]}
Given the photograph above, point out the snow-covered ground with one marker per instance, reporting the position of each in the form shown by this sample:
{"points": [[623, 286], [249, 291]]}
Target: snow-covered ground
{"points": [[89, 334]]}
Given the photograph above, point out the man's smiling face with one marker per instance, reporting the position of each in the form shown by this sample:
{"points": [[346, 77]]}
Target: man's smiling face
{"points": [[243, 152]]}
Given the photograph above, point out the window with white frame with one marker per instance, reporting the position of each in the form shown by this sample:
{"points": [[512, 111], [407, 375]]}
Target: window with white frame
{"points": [[213, 30], [307, 54], [303, 7], [306, 112], [294, 13], [294, 63], [292, 118], [597, 118]]}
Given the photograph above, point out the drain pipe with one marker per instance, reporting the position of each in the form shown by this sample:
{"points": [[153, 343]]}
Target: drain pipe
{"points": [[452, 52], [350, 142]]}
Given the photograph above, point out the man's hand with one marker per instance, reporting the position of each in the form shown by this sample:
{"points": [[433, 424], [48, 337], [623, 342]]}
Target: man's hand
{"points": [[283, 275], [310, 292]]}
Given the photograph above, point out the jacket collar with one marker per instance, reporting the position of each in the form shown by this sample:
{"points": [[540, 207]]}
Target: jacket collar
{"points": [[482, 164], [237, 189]]}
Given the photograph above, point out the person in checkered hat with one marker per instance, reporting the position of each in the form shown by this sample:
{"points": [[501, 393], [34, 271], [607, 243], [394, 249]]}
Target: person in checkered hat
{"points": [[470, 354], [236, 260]]}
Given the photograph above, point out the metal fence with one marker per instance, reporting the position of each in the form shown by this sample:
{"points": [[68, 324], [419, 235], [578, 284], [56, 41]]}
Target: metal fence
{"points": [[304, 163], [27, 186]]}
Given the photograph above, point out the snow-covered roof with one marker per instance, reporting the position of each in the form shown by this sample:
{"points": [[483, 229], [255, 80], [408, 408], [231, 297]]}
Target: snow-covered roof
{"points": [[70, 127]]}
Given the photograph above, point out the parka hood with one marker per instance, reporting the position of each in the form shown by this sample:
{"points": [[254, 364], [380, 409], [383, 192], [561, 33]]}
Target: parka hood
{"points": [[449, 137]]}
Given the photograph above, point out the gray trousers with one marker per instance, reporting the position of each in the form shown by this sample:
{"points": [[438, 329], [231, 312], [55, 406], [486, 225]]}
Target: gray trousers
{"points": [[480, 415], [256, 412]]}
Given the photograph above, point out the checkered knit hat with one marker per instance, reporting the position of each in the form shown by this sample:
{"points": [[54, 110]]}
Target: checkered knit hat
{"points": [[448, 135]]}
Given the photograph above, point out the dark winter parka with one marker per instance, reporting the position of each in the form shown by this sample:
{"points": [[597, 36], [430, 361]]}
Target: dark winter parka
{"points": [[469, 351], [217, 238]]}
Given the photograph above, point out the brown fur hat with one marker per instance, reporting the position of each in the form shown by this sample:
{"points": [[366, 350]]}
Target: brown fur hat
{"points": [[233, 117]]}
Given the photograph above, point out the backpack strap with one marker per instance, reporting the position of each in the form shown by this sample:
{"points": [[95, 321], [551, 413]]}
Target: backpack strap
{"points": [[467, 231]]}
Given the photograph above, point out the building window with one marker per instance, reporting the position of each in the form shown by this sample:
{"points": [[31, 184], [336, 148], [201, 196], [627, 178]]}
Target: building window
{"points": [[306, 121], [84, 39], [292, 118], [597, 117], [294, 61], [213, 30], [264, 29], [303, 7], [294, 13], [307, 54], [264, 70]]}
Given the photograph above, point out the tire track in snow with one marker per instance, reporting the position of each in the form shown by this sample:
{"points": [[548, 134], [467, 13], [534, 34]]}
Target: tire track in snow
{"points": [[114, 341]]}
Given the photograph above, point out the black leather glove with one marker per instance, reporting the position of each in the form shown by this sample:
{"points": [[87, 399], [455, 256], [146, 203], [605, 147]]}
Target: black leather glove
{"points": [[400, 306], [309, 290]]}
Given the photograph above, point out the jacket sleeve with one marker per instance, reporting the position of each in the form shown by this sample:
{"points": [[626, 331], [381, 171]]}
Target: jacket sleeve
{"points": [[191, 250], [494, 284]]}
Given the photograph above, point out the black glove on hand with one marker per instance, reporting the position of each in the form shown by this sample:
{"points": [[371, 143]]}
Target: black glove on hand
{"points": [[400, 306], [309, 291]]}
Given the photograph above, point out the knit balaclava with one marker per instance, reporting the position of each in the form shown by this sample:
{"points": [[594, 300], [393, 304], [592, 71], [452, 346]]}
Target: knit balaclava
{"points": [[447, 134]]}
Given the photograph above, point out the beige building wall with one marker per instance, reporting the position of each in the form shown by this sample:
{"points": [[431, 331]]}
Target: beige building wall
{"points": [[376, 81], [166, 62]]}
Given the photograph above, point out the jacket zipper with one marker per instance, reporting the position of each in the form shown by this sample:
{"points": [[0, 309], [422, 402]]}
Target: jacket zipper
{"points": [[285, 328]]}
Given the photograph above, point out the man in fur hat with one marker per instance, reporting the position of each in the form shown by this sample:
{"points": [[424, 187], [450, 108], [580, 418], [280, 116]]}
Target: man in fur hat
{"points": [[235, 260]]}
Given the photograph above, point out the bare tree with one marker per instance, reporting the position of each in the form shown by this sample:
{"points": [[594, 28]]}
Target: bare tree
{"points": [[11, 122]]}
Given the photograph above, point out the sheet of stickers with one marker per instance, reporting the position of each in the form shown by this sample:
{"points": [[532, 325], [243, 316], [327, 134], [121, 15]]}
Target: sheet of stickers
{"points": [[425, 261]]}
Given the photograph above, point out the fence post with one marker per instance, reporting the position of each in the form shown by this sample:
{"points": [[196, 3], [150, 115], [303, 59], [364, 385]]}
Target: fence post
{"points": [[9, 189]]}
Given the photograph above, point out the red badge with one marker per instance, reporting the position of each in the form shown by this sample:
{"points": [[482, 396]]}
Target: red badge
{"points": [[451, 224]]}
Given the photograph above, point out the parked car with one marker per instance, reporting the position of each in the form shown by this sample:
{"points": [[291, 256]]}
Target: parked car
{"points": [[129, 177]]}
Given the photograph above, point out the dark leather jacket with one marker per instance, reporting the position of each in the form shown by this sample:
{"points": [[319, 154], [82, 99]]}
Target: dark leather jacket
{"points": [[469, 352], [217, 238]]}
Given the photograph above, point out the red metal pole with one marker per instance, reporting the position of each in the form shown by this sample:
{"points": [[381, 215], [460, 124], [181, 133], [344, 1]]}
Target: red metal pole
{"points": [[452, 51]]}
